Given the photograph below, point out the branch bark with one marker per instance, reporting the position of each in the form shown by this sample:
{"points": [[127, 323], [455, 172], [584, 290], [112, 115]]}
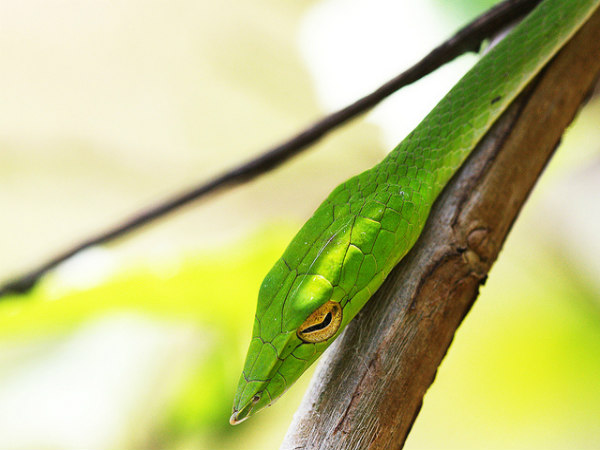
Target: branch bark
{"points": [[466, 39], [369, 386]]}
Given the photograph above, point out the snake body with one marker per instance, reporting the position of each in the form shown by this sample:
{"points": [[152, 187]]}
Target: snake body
{"points": [[364, 228]]}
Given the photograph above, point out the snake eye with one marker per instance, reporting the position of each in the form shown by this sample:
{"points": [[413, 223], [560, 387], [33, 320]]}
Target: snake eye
{"points": [[321, 324]]}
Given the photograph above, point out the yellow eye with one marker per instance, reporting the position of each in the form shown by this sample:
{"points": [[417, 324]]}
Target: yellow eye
{"points": [[321, 324]]}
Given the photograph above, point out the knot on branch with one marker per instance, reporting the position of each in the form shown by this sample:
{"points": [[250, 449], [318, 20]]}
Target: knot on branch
{"points": [[477, 251]]}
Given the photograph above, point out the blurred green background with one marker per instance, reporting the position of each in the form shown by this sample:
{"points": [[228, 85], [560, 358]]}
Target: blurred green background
{"points": [[109, 106]]}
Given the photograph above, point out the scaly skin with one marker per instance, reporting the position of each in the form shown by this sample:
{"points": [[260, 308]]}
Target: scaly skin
{"points": [[367, 224]]}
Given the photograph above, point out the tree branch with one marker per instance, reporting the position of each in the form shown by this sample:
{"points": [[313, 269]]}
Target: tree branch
{"points": [[467, 39], [369, 387]]}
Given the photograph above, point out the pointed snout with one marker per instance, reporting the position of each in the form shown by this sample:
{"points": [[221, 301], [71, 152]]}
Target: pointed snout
{"points": [[239, 416]]}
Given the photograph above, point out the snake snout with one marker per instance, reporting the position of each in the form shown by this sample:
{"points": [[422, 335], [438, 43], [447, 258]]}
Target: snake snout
{"points": [[242, 414]]}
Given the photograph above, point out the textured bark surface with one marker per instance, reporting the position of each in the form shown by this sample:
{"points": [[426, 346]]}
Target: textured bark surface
{"points": [[369, 386]]}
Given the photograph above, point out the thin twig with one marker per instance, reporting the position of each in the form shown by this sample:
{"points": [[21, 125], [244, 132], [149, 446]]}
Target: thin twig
{"points": [[467, 39]]}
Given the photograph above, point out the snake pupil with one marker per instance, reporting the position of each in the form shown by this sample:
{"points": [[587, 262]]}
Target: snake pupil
{"points": [[319, 326]]}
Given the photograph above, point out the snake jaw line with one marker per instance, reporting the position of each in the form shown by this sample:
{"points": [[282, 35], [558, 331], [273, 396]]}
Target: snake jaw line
{"points": [[238, 416]]}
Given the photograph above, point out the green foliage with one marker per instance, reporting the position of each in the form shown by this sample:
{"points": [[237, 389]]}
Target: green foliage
{"points": [[214, 292]]}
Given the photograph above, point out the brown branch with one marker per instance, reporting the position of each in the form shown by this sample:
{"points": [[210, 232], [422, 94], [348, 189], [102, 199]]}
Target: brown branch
{"points": [[369, 387], [467, 39]]}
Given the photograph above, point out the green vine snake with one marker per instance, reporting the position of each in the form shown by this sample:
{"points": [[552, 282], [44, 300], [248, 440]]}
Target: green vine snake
{"points": [[343, 253]]}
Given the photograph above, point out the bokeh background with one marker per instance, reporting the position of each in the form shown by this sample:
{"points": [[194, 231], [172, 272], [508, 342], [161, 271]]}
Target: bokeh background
{"points": [[106, 107]]}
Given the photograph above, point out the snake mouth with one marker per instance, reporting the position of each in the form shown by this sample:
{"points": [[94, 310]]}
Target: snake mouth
{"points": [[239, 415]]}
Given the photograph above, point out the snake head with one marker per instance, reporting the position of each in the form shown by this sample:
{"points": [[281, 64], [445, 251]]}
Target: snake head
{"points": [[312, 292], [299, 314], [291, 329]]}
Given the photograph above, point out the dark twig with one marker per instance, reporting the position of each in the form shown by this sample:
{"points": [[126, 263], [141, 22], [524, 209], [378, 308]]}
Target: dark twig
{"points": [[467, 39]]}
